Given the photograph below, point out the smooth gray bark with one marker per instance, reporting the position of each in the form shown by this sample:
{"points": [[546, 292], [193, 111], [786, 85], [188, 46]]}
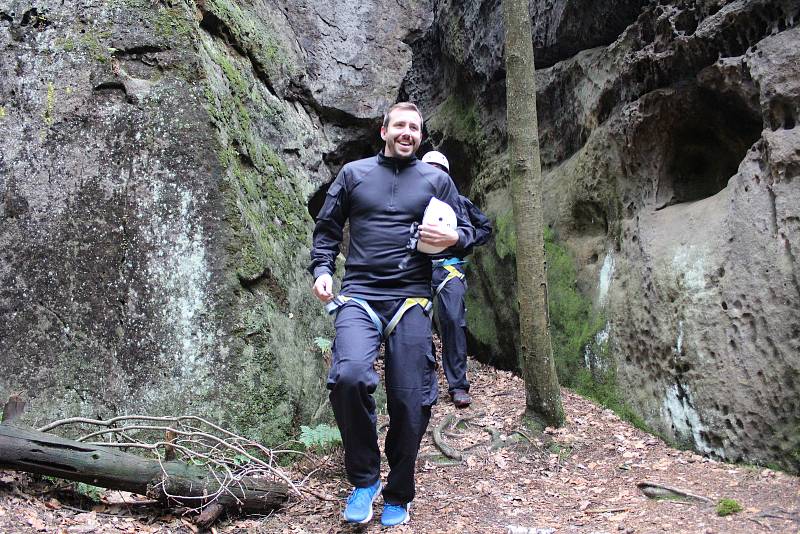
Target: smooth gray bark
{"points": [[543, 397]]}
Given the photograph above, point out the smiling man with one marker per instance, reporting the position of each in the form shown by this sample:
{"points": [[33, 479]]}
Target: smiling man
{"points": [[382, 197]]}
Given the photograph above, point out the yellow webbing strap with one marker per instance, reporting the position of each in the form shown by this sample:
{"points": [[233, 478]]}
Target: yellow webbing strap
{"points": [[407, 305], [452, 272]]}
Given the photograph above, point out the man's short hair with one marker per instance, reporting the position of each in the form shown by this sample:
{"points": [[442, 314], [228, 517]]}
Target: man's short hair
{"points": [[401, 105]]}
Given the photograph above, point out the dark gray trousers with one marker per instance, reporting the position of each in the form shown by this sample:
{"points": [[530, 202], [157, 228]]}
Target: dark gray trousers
{"points": [[411, 390], [451, 324]]}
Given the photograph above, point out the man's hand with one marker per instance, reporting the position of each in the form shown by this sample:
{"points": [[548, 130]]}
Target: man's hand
{"points": [[438, 235], [323, 288]]}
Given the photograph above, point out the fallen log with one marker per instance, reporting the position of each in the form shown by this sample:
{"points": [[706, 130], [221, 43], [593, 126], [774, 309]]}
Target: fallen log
{"points": [[23, 449]]}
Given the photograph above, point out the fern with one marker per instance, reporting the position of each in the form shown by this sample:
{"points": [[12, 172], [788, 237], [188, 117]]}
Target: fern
{"points": [[320, 438]]}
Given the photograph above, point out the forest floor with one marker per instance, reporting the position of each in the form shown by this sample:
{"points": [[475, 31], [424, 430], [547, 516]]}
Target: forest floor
{"points": [[583, 477]]}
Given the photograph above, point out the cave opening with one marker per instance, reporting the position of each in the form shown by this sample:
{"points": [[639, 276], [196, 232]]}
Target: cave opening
{"points": [[707, 143], [461, 163], [589, 218]]}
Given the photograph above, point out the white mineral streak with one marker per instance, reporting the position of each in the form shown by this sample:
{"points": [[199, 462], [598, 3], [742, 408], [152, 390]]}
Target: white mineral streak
{"points": [[176, 265], [606, 275], [678, 408]]}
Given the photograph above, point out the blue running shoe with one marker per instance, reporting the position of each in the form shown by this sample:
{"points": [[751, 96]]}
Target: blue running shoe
{"points": [[395, 514], [359, 504]]}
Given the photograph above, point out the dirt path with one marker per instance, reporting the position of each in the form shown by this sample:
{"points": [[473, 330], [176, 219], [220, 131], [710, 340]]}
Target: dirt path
{"points": [[580, 478]]}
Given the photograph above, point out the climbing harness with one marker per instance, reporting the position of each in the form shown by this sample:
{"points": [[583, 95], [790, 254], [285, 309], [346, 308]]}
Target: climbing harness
{"points": [[340, 300], [449, 265]]}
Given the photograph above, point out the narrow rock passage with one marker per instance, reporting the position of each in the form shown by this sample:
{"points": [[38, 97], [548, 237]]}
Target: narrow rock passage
{"points": [[580, 478]]}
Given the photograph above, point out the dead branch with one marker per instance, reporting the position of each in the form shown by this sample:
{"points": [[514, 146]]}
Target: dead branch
{"points": [[197, 438], [760, 524], [209, 515], [319, 496], [780, 514], [660, 491], [193, 485], [606, 511], [218, 470]]}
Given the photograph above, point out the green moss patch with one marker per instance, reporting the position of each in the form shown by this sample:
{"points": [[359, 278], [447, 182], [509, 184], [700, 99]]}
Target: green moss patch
{"points": [[280, 379], [574, 328], [505, 235], [728, 507], [258, 41], [458, 118]]}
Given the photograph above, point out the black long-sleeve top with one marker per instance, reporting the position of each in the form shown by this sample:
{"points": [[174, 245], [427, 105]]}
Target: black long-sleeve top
{"points": [[382, 197]]}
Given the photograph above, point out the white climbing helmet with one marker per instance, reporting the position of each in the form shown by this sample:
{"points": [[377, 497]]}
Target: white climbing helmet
{"points": [[434, 156], [441, 213]]}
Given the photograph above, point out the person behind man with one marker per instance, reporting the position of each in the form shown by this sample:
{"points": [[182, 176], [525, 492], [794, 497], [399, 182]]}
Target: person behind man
{"points": [[449, 286], [382, 197]]}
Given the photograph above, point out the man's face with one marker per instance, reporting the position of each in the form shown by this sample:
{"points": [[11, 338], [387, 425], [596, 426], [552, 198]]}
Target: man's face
{"points": [[403, 134]]}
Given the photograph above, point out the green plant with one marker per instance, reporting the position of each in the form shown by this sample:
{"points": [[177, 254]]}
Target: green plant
{"points": [[323, 344], [574, 322], [241, 459], [728, 507], [563, 451], [93, 493], [320, 438], [87, 491], [505, 240]]}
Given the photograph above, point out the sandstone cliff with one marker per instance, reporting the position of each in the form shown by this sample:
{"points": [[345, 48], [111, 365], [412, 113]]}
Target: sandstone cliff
{"points": [[159, 160], [669, 141]]}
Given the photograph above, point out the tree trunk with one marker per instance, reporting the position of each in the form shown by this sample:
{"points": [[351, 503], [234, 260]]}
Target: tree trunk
{"points": [[27, 450], [543, 398]]}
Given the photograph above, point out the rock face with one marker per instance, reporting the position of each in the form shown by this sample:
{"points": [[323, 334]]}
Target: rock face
{"points": [[671, 155], [159, 162], [155, 169]]}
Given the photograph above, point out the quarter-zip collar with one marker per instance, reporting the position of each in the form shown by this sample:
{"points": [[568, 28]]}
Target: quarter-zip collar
{"points": [[397, 164]]}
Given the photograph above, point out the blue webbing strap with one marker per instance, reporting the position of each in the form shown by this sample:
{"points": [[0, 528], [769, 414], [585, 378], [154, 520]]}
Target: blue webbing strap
{"points": [[340, 300]]}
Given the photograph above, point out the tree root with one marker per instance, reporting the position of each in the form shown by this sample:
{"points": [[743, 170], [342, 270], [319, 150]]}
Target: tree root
{"points": [[438, 439], [775, 513], [451, 421]]}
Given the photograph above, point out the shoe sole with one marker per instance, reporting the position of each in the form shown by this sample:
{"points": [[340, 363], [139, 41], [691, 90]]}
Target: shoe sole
{"points": [[369, 516]]}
